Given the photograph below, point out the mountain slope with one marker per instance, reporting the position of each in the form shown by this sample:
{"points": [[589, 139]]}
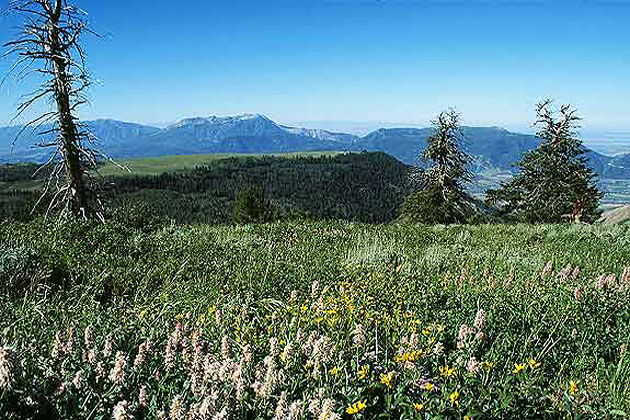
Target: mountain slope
{"points": [[492, 147], [248, 133], [115, 138]]}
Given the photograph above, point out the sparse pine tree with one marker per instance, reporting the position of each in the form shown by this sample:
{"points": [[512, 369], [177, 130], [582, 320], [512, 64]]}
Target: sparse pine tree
{"points": [[441, 197], [554, 183]]}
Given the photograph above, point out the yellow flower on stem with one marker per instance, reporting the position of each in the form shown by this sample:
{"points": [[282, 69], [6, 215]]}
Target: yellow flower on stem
{"points": [[453, 398], [573, 388], [533, 364], [518, 368], [356, 407], [417, 407], [333, 371], [363, 372], [446, 371], [487, 365], [429, 386], [387, 379]]}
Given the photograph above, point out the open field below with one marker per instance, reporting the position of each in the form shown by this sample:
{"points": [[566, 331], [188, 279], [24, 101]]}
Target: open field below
{"points": [[158, 165], [403, 320]]}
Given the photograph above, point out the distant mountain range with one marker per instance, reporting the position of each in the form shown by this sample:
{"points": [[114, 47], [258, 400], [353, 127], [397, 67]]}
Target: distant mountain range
{"points": [[493, 148]]}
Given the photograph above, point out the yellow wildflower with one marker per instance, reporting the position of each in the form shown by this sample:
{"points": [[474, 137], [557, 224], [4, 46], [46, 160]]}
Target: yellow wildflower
{"points": [[533, 363], [429, 386], [573, 388], [446, 371], [306, 370], [408, 356], [487, 365], [363, 372], [453, 398], [356, 407], [518, 367], [387, 379], [333, 371], [467, 417], [417, 407]]}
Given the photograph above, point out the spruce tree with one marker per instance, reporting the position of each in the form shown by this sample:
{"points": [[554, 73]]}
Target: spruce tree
{"points": [[554, 182], [441, 197]]}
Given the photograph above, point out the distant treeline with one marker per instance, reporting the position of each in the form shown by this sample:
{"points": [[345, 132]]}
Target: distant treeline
{"points": [[21, 172], [366, 187]]}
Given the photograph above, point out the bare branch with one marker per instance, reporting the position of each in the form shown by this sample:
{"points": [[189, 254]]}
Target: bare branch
{"points": [[49, 46]]}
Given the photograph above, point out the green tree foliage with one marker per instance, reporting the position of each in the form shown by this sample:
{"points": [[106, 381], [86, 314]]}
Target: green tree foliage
{"points": [[441, 197], [22, 172], [360, 187], [249, 206], [554, 184]]}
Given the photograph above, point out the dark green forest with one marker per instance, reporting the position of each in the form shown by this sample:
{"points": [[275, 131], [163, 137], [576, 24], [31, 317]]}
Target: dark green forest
{"points": [[365, 187]]}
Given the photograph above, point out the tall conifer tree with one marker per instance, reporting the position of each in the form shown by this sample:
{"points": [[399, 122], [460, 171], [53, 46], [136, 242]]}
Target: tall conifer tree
{"points": [[442, 197], [554, 183]]}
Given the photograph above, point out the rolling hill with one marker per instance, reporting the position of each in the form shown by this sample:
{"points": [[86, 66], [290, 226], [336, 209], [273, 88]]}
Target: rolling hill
{"points": [[493, 148]]}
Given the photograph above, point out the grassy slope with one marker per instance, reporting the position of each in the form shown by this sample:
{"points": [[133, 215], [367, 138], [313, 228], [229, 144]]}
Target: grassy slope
{"points": [[158, 165], [284, 250], [135, 284], [441, 274]]}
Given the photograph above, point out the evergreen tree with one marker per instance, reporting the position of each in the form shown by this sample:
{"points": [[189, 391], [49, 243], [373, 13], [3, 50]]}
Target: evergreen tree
{"points": [[554, 182], [249, 206], [442, 197]]}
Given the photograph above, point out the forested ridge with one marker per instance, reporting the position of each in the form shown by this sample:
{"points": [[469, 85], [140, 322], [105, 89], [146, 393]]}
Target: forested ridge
{"points": [[366, 187]]}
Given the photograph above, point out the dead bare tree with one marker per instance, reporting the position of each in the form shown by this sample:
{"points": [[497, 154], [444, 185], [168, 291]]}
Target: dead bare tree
{"points": [[49, 47]]}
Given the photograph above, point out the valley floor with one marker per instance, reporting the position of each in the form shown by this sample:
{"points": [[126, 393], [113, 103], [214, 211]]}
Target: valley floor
{"points": [[304, 320]]}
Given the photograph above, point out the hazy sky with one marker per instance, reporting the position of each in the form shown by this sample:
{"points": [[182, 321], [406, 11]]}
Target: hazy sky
{"points": [[390, 61]]}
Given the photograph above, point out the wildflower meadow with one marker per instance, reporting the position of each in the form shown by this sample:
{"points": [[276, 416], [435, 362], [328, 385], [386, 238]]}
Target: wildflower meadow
{"points": [[323, 320]]}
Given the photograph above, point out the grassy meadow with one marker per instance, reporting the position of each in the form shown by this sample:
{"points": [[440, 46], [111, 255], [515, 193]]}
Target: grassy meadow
{"points": [[182, 163], [316, 320]]}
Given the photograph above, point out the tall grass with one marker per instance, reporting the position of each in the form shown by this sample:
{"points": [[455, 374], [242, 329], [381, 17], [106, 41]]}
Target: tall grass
{"points": [[532, 320]]}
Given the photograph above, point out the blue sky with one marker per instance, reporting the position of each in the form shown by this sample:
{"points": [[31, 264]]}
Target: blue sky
{"points": [[387, 61]]}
